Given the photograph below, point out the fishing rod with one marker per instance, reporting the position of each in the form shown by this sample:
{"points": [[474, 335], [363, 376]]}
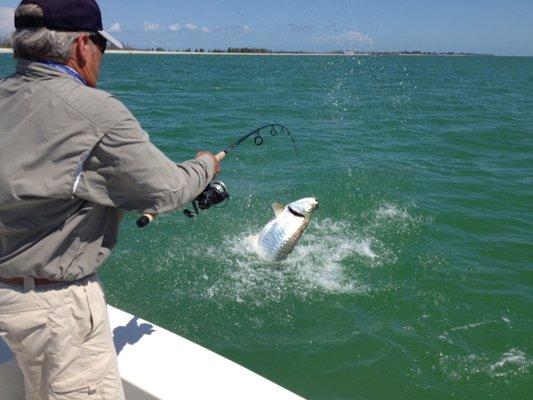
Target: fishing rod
{"points": [[216, 191]]}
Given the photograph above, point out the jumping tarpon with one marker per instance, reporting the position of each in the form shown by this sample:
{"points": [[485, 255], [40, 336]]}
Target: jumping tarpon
{"points": [[278, 238]]}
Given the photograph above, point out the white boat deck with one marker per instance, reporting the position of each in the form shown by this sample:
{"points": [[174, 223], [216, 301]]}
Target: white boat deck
{"points": [[157, 364]]}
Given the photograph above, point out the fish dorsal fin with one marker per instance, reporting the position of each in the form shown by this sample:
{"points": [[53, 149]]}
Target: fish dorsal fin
{"points": [[278, 208]]}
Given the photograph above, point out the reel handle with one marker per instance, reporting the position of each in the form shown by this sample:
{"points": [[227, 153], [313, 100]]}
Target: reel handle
{"points": [[145, 219]]}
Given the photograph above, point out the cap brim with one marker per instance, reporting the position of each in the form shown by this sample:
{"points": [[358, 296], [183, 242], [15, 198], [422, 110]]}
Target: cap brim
{"points": [[111, 39]]}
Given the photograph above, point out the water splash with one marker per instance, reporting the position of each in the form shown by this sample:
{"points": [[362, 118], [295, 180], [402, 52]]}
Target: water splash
{"points": [[327, 260], [391, 211], [511, 362]]}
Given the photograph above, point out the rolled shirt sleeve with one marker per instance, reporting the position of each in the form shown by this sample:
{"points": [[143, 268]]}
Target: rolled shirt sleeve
{"points": [[125, 170]]}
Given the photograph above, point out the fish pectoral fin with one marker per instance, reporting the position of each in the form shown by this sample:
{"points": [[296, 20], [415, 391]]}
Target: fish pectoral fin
{"points": [[278, 208]]}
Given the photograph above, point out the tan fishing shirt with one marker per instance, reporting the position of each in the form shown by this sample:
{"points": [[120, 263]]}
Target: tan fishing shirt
{"points": [[72, 159]]}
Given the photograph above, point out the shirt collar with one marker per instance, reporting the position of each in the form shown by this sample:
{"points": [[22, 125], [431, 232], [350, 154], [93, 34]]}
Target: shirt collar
{"points": [[66, 69], [40, 69]]}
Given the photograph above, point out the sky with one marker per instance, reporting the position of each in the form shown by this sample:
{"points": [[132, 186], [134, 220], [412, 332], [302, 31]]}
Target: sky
{"points": [[477, 26]]}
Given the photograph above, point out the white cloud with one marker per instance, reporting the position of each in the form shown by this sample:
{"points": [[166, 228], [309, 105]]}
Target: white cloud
{"points": [[348, 37], [7, 19], [354, 36], [232, 29], [191, 27], [114, 28], [151, 27], [175, 27]]}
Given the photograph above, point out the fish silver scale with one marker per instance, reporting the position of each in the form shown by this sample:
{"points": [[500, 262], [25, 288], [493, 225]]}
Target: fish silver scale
{"points": [[279, 237]]}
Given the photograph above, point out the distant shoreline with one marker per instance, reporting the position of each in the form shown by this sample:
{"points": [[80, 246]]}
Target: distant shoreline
{"points": [[190, 53], [153, 52], [349, 54]]}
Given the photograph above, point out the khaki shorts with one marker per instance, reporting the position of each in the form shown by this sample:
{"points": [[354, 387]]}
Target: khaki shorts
{"points": [[62, 340]]}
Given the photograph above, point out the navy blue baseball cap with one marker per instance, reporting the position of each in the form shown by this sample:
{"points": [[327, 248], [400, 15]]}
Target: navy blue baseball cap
{"points": [[67, 16]]}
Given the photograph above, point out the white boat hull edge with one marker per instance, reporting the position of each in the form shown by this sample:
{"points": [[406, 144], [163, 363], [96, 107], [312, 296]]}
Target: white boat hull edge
{"points": [[156, 364]]}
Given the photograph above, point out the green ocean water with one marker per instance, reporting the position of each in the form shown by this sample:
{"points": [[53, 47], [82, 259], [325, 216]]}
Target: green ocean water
{"points": [[414, 280]]}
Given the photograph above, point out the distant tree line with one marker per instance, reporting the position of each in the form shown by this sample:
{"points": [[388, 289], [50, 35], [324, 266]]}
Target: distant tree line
{"points": [[248, 50], [5, 42], [229, 50], [125, 46], [416, 52]]}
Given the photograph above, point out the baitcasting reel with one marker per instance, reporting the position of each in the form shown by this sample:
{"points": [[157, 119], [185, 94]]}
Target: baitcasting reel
{"points": [[213, 194]]}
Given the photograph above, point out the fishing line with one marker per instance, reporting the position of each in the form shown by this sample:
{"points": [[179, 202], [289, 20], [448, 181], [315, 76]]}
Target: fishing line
{"points": [[272, 130]]}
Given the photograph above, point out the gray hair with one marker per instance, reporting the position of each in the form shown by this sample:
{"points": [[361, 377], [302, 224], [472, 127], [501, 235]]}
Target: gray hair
{"points": [[41, 43]]}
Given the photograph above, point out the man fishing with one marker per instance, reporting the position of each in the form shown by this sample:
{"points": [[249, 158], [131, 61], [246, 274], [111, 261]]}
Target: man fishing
{"points": [[73, 160]]}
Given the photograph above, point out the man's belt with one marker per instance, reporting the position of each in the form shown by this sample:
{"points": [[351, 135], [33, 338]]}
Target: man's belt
{"points": [[20, 281]]}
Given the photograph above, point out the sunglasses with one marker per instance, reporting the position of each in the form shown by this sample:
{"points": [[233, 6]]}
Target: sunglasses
{"points": [[99, 41]]}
